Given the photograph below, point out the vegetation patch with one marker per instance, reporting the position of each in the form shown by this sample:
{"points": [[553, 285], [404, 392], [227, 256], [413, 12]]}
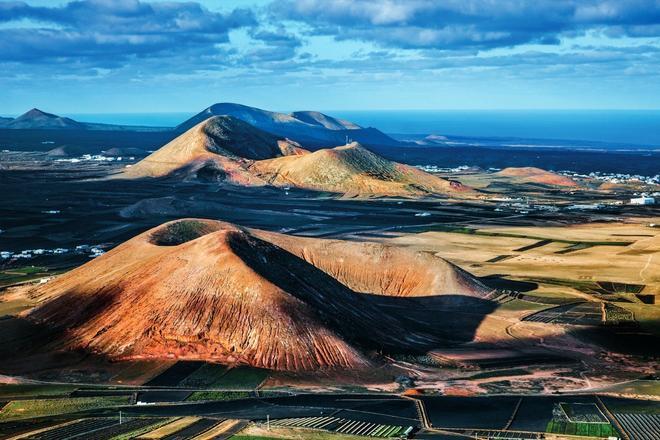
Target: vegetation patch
{"points": [[26, 409], [241, 378], [592, 287], [174, 234], [207, 375], [582, 429], [615, 314], [217, 395], [175, 374], [14, 391], [21, 274]]}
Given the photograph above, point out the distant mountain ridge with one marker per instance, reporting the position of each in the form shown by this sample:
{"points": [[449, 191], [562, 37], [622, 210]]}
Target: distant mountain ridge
{"points": [[225, 149], [35, 119], [216, 149], [312, 129]]}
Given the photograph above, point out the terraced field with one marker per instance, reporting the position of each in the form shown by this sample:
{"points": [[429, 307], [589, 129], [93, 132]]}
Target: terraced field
{"points": [[78, 428], [581, 313], [640, 426], [127, 429], [194, 429], [345, 426]]}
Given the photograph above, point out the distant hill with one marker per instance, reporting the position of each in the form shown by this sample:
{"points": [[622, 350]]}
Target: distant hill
{"points": [[216, 149], [226, 149], [536, 175], [67, 151], [114, 152], [352, 169], [321, 120], [312, 129], [35, 119], [208, 290]]}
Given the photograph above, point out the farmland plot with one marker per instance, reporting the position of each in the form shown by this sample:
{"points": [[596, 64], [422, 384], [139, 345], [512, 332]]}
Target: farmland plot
{"points": [[583, 412], [74, 429], [640, 426], [345, 426]]}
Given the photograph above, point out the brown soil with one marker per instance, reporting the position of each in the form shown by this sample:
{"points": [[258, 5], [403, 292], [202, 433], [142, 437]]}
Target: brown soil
{"points": [[537, 175]]}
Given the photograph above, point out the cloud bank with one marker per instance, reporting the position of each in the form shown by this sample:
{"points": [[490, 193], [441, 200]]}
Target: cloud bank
{"points": [[350, 44]]}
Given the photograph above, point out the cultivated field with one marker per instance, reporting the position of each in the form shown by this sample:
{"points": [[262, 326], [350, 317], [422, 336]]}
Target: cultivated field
{"points": [[619, 253]]}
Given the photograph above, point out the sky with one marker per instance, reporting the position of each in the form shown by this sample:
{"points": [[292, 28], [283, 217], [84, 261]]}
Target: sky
{"points": [[124, 56]]}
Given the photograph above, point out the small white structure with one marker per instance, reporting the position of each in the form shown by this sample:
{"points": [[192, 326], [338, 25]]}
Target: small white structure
{"points": [[96, 252], [643, 200]]}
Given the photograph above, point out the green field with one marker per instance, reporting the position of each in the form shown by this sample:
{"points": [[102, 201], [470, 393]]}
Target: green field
{"points": [[205, 376], [217, 395], [517, 305], [583, 429], [13, 391], [26, 409], [279, 434], [20, 274], [241, 378]]}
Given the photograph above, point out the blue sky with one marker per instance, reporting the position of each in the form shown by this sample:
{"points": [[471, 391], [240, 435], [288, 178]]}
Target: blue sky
{"points": [[99, 56]]}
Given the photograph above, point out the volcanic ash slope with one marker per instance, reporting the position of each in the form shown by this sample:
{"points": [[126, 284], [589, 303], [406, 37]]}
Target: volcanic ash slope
{"points": [[354, 170], [208, 290]]}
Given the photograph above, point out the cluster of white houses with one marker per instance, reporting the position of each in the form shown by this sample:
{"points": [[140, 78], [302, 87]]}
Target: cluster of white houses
{"points": [[93, 251], [616, 177], [643, 200]]}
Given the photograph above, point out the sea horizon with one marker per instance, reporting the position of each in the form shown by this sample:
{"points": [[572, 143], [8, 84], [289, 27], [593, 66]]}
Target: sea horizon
{"points": [[613, 128], [605, 129]]}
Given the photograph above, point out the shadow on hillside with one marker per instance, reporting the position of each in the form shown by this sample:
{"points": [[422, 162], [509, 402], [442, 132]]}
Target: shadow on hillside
{"points": [[384, 323]]}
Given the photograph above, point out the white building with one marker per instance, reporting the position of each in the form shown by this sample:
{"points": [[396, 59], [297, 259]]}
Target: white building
{"points": [[644, 200]]}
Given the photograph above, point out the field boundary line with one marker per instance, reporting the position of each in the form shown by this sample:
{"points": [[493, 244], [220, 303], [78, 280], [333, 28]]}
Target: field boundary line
{"points": [[612, 417], [513, 415], [421, 411]]}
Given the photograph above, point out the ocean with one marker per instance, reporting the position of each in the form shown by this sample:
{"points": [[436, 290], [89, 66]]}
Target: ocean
{"points": [[582, 128], [600, 129]]}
